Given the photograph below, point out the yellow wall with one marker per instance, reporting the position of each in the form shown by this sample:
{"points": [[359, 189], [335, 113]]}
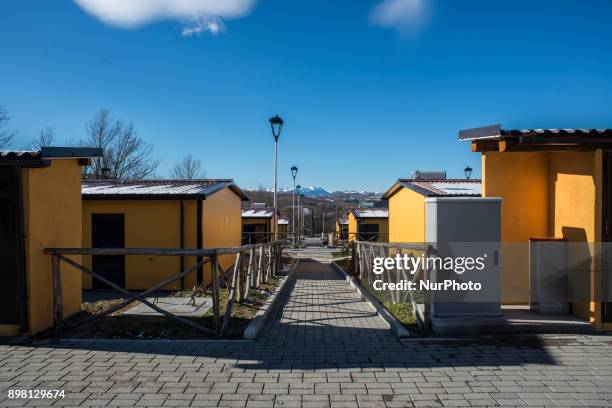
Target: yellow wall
{"points": [[407, 216], [352, 227], [545, 194], [148, 224], [575, 211], [156, 224], [222, 215], [52, 212], [521, 179]]}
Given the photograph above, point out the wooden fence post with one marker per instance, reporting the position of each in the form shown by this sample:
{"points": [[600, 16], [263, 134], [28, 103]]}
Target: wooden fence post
{"points": [[231, 295], [58, 301], [259, 266], [250, 277], [214, 264], [353, 257]]}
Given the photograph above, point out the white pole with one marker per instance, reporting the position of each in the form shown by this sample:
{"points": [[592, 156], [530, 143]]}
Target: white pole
{"points": [[274, 221], [293, 210]]}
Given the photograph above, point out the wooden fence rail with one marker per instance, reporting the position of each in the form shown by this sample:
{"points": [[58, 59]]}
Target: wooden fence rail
{"points": [[264, 261]]}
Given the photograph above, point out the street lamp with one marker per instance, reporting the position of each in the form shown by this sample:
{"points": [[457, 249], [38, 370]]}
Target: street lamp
{"points": [[276, 124], [468, 172], [298, 213], [294, 171]]}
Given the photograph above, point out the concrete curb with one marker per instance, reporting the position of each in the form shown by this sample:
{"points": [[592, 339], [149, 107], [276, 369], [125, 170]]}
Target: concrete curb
{"points": [[396, 327], [254, 327]]}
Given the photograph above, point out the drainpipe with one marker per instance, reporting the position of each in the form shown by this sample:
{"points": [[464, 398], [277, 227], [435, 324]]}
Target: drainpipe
{"points": [[182, 227], [200, 275]]}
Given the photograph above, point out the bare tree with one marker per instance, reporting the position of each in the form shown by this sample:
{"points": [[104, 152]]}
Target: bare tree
{"points": [[46, 137], [6, 136], [126, 156], [189, 168]]}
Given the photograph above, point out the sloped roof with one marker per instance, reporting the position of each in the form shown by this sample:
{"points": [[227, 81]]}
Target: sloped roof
{"points": [[283, 221], [438, 188], [343, 221], [257, 213], [496, 132], [47, 153], [370, 212], [157, 189]]}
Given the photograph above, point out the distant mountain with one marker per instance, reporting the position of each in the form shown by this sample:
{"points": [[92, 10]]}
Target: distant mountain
{"points": [[320, 192]]}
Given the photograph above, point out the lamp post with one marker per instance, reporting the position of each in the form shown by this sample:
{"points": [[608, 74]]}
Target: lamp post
{"points": [[294, 171], [468, 172], [276, 124], [299, 236]]}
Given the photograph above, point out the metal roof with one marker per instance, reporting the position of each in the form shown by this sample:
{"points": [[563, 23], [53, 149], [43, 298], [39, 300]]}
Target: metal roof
{"points": [[343, 221], [258, 213], [495, 132], [439, 188], [19, 154], [370, 212], [157, 189]]}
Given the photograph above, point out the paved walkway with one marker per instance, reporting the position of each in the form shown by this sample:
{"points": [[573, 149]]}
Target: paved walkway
{"points": [[324, 348]]}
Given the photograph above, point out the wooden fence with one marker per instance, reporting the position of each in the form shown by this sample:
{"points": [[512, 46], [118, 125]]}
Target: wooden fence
{"points": [[254, 264], [362, 260]]}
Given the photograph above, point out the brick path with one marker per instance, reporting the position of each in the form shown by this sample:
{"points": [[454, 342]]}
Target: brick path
{"points": [[323, 349]]}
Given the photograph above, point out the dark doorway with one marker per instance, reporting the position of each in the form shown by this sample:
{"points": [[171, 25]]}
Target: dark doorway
{"points": [[606, 267], [108, 231], [13, 309], [254, 234], [368, 232]]}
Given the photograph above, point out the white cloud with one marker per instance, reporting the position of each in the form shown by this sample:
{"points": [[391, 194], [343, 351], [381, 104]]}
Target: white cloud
{"points": [[200, 15], [199, 25], [401, 14]]}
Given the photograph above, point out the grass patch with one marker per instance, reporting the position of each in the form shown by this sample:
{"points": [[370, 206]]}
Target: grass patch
{"points": [[401, 311], [119, 326]]}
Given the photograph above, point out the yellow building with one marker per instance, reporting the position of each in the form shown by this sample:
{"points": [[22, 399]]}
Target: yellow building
{"points": [[554, 184], [257, 225], [342, 228], [40, 207], [158, 214], [406, 199], [368, 224]]}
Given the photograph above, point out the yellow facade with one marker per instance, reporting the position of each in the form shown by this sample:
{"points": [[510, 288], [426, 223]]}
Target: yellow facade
{"points": [[151, 223], [407, 216], [547, 194], [52, 218]]}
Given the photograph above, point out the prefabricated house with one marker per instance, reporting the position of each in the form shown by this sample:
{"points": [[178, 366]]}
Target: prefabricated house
{"points": [[158, 214], [40, 207], [368, 224], [257, 225], [283, 228], [407, 204], [556, 184]]}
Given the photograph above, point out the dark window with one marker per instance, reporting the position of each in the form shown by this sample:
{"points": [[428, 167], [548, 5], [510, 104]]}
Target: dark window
{"points": [[368, 232]]}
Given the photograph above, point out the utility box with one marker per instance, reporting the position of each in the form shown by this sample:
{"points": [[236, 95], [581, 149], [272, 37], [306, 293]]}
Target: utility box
{"points": [[463, 228], [548, 277]]}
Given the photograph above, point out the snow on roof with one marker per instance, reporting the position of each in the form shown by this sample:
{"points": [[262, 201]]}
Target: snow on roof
{"points": [[445, 188], [370, 212], [343, 221], [283, 221], [156, 188], [257, 213]]}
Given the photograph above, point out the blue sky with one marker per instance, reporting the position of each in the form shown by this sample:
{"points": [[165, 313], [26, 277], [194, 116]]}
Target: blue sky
{"points": [[369, 89]]}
